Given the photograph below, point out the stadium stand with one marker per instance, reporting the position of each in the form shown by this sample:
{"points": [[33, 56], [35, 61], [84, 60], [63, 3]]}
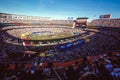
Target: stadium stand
{"points": [[96, 57], [106, 22]]}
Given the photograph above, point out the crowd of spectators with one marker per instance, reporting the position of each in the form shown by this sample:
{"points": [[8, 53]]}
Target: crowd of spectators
{"points": [[35, 22], [102, 44], [106, 22], [103, 66], [95, 46]]}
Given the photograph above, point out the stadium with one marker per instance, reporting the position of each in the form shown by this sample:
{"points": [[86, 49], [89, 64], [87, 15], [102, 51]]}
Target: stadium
{"points": [[40, 48]]}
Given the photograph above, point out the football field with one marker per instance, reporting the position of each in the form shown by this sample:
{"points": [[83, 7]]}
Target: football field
{"points": [[49, 36]]}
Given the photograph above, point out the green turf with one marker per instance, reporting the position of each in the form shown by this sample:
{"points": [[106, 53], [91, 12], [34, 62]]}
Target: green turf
{"points": [[47, 37]]}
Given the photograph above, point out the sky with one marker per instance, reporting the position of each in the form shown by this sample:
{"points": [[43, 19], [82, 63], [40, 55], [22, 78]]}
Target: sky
{"points": [[62, 9]]}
